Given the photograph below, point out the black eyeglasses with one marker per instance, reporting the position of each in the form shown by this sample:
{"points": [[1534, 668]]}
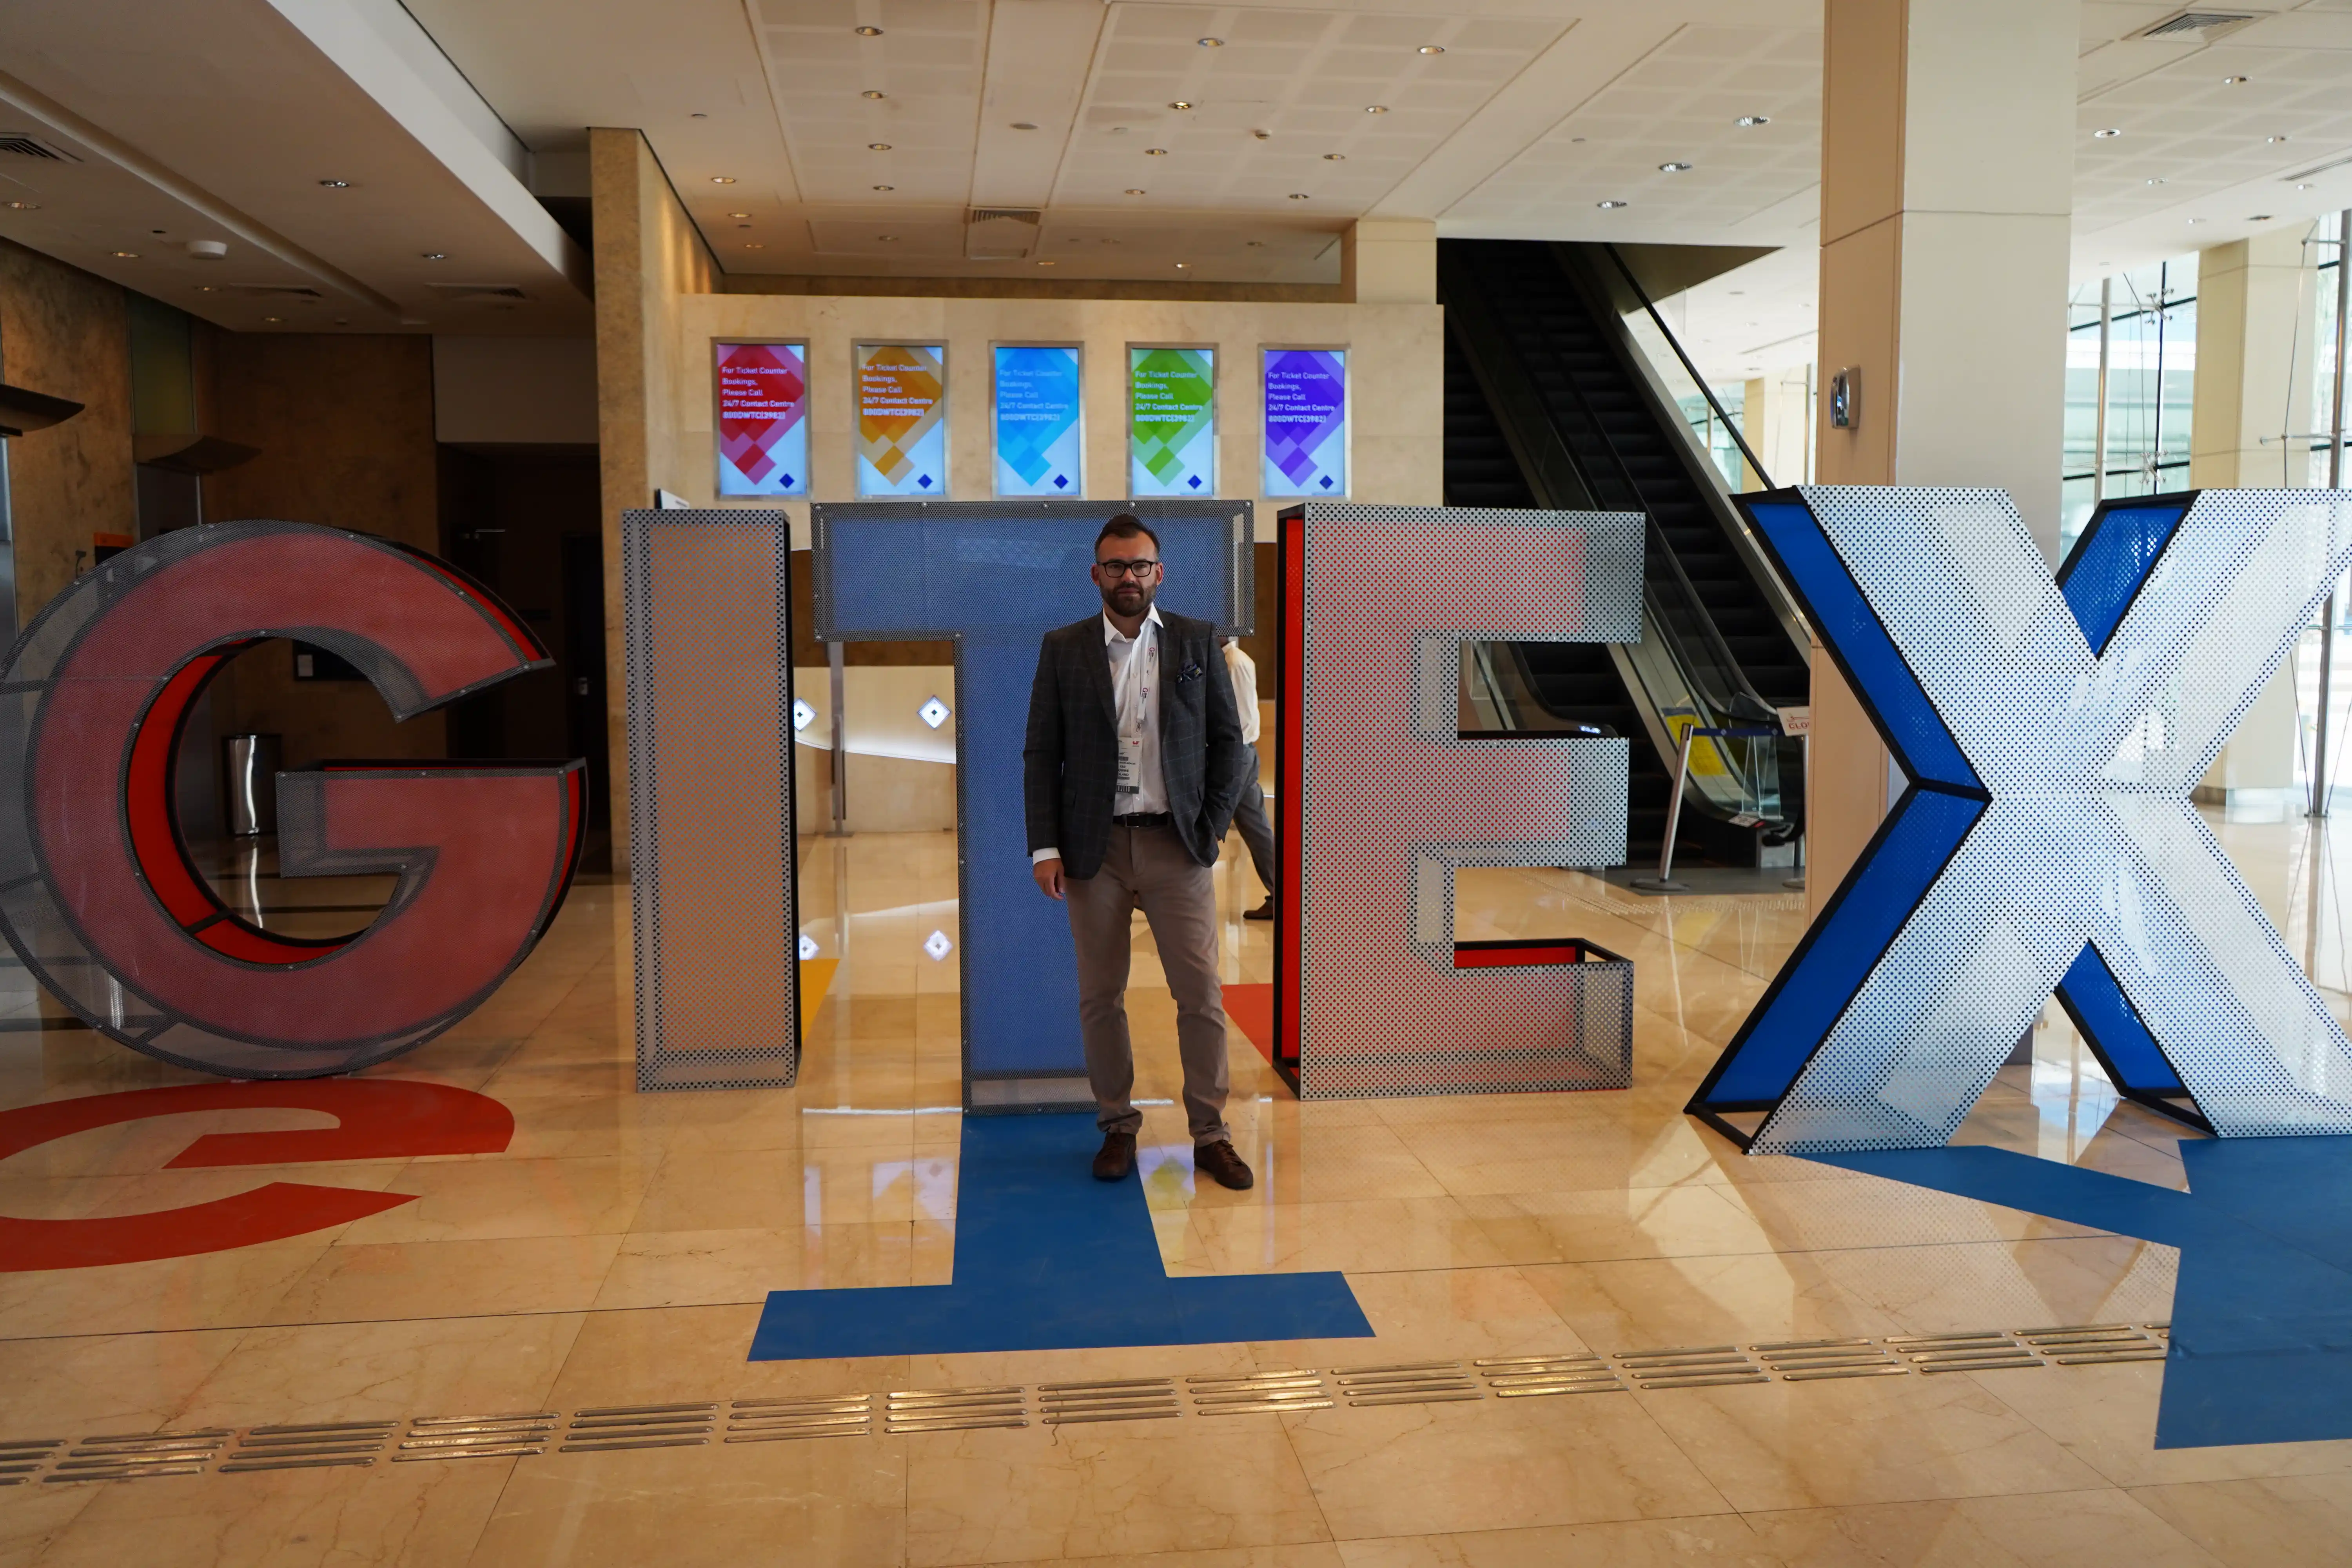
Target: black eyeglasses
{"points": [[1118, 569]]}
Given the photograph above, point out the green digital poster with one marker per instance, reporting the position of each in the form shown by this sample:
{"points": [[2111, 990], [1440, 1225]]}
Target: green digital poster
{"points": [[1172, 421]]}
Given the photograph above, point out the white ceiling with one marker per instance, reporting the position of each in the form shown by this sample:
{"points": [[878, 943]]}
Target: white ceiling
{"points": [[217, 119]]}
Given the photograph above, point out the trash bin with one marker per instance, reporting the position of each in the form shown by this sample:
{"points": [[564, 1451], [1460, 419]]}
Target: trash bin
{"points": [[249, 766]]}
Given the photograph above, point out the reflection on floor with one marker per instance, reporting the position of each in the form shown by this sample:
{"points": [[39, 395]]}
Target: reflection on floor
{"points": [[618, 1251]]}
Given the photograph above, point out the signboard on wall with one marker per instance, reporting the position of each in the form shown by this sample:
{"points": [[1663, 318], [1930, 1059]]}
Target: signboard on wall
{"points": [[1306, 422], [763, 418], [1171, 421], [902, 419], [1037, 423]]}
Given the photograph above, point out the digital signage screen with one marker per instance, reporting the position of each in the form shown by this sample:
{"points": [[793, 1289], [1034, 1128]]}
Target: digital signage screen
{"points": [[902, 419], [1037, 420], [763, 418], [1306, 422], [1171, 421]]}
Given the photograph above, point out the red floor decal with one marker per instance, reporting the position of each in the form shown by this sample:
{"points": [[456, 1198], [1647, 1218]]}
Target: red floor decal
{"points": [[1250, 1009], [380, 1119]]}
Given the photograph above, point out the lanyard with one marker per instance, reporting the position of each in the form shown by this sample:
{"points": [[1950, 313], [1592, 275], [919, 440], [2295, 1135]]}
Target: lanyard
{"points": [[1129, 698]]}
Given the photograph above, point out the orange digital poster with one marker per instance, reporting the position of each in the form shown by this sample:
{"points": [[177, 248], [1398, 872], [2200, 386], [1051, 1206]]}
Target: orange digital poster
{"points": [[902, 419]]}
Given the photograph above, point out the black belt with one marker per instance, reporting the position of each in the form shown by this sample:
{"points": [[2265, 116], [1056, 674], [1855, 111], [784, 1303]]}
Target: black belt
{"points": [[1143, 819]]}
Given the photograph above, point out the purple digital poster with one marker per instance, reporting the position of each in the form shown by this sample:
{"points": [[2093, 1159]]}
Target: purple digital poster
{"points": [[1306, 422]]}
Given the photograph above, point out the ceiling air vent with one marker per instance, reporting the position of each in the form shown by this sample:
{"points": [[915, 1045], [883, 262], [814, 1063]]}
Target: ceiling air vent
{"points": [[460, 292], [2194, 27], [22, 144], [999, 233], [2317, 169]]}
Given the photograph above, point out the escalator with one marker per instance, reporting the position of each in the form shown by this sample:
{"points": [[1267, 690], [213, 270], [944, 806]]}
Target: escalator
{"points": [[1540, 370]]}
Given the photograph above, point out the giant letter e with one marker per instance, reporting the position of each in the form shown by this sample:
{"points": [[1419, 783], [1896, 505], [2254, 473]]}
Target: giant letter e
{"points": [[1380, 797]]}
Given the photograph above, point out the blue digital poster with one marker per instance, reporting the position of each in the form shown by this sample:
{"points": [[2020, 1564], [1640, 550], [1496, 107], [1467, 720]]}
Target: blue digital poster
{"points": [[1306, 422], [1037, 421]]}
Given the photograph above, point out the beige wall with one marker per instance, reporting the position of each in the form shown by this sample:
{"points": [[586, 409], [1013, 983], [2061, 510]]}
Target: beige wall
{"points": [[64, 332]]}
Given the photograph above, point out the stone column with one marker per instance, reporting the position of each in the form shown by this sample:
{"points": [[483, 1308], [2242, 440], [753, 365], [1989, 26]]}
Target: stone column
{"points": [[2255, 322], [1946, 189]]}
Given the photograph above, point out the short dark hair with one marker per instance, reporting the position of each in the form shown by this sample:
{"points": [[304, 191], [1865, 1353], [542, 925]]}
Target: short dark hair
{"points": [[1126, 525]]}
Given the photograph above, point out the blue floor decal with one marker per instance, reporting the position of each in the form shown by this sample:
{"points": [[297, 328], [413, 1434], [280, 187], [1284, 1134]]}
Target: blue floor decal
{"points": [[1048, 1258], [2262, 1316]]}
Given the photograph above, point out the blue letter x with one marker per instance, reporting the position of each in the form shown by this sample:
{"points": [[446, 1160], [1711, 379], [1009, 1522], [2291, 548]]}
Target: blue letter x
{"points": [[2050, 732]]}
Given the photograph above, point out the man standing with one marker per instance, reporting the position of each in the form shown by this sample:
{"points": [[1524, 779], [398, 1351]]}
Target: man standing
{"points": [[1133, 762], [1249, 812]]}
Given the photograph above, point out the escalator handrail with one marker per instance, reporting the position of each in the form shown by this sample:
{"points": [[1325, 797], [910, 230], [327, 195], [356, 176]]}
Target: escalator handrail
{"points": [[1754, 464]]}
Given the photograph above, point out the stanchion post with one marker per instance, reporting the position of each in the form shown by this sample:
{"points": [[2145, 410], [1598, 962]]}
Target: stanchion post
{"points": [[1664, 881], [840, 828]]}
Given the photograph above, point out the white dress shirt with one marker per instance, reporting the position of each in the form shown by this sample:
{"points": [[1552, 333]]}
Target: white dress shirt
{"points": [[1135, 694]]}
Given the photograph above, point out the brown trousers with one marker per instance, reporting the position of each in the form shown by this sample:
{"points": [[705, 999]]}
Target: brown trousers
{"points": [[1146, 869]]}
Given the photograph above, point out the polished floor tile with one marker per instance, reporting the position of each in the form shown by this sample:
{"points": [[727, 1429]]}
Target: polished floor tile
{"points": [[620, 1250]]}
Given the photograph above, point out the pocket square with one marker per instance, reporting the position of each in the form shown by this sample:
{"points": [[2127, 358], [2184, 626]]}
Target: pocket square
{"points": [[1190, 672]]}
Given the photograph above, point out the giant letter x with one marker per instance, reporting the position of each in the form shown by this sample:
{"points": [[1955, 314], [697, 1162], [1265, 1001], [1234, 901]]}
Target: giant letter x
{"points": [[2050, 731]]}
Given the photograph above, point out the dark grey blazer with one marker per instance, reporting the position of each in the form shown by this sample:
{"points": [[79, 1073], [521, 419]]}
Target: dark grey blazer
{"points": [[1070, 763]]}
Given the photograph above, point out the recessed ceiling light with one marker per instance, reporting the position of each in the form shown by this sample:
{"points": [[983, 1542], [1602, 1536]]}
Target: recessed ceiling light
{"points": [[754, 245], [2273, 141], [722, 179], [1750, 122], [870, 32], [24, 206], [698, 114], [1118, 129], [1155, 151], [126, 255], [1182, 265], [206, 288], [1180, 103], [738, 215], [2234, 81], [1376, 109], [336, 184], [2110, 130], [1211, 43], [1433, 48], [2155, 181], [1255, 244], [2298, 187], [877, 146], [887, 239], [1298, 196], [743, 225], [1045, 264], [869, 93], [885, 187], [1676, 167], [273, 318], [1609, 206], [1134, 191], [1335, 157], [436, 255], [2197, 220], [2260, 217], [1263, 135], [1576, 139], [1025, 125]]}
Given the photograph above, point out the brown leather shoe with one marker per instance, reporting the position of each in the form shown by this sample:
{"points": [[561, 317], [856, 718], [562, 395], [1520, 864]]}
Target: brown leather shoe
{"points": [[1219, 1161], [1265, 911], [1117, 1157]]}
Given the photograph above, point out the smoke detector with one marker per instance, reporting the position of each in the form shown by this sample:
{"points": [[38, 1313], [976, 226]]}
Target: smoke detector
{"points": [[208, 250]]}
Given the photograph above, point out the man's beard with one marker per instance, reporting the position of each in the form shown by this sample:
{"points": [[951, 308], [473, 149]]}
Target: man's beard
{"points": [[1114, 598]]}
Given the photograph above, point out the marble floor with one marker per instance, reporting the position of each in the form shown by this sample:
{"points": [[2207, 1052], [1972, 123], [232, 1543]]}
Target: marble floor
{"points": [[617, 1252]]}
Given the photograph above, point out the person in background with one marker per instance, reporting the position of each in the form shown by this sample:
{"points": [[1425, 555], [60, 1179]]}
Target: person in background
{"points": [[1132, 764], [1249, 813]]}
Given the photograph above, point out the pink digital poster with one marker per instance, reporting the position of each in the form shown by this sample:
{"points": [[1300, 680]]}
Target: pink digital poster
{"points": [[763, 419]]}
